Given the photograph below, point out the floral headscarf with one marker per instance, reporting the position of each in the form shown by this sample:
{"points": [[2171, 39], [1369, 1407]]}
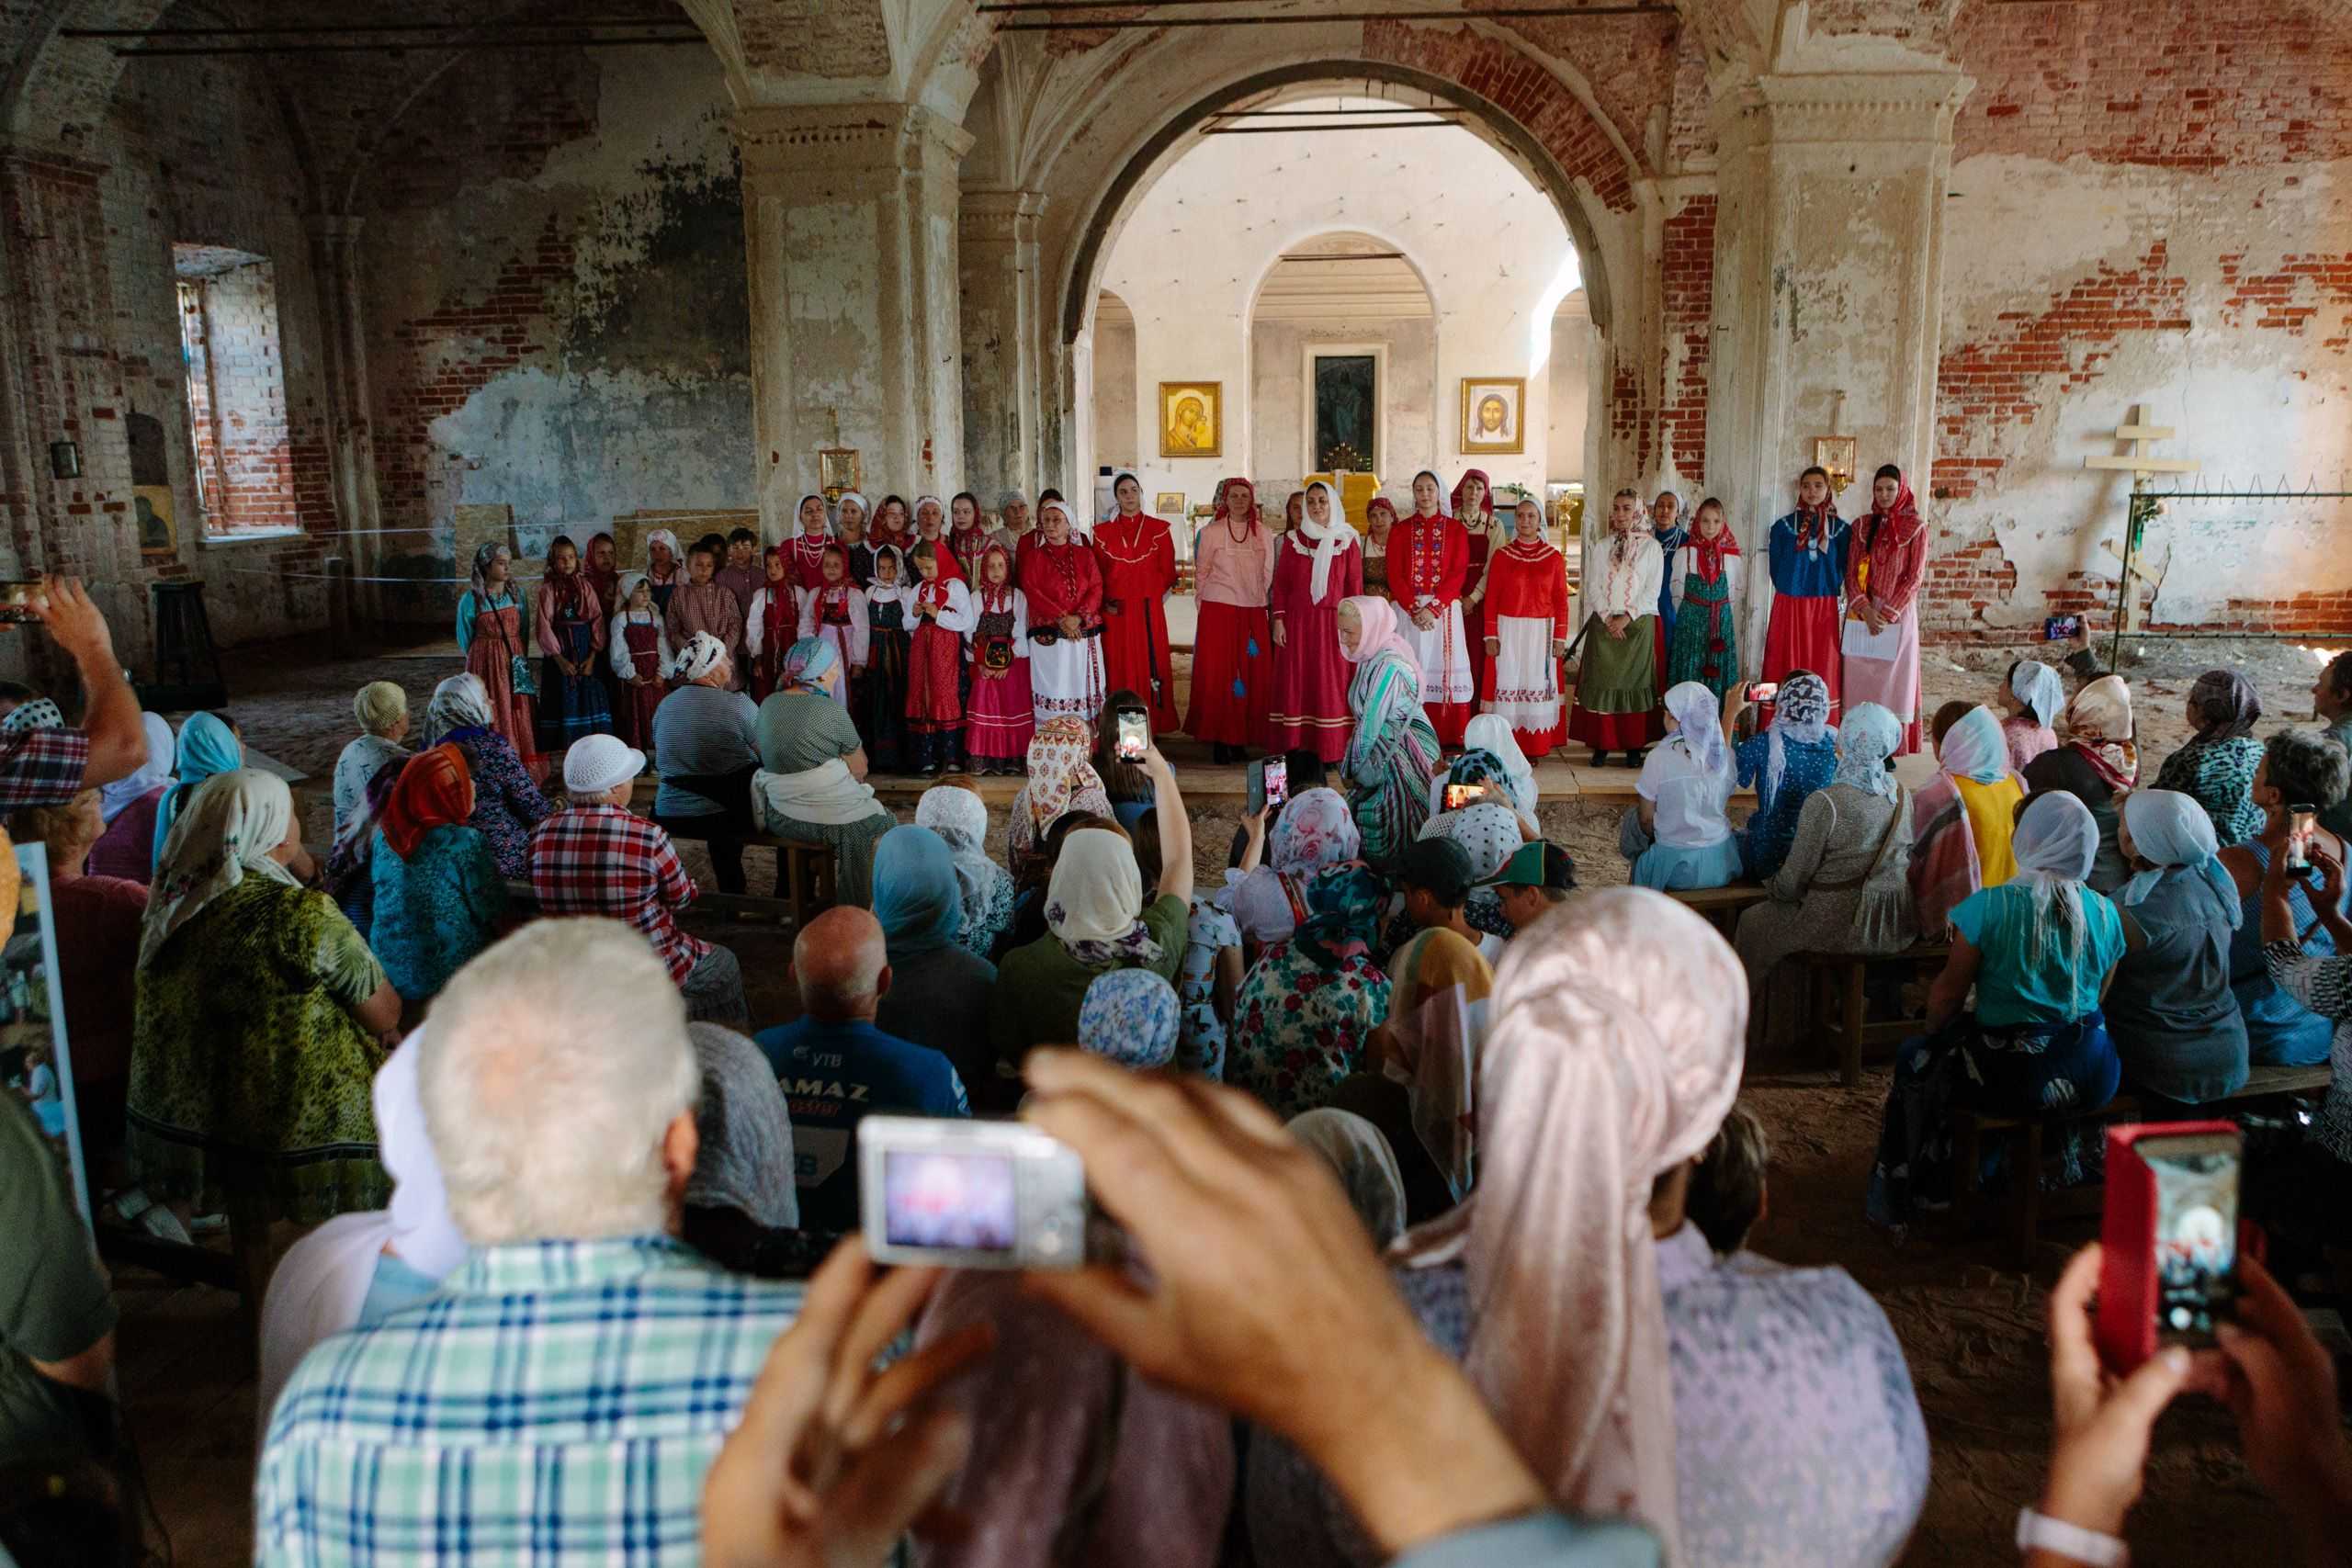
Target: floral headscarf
{"points": [[480, 576], [1129, 1016], [1699, 724], [1092, 902], [1343, 904], [702, 654], [2098, 725], [1060, 766], [1315, 829], [1865, 740], [2226, 705], [1800, 714]]}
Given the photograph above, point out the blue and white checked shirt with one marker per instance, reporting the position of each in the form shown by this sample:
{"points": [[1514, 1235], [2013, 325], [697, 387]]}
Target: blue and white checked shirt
{"points": [[559, 1402]]}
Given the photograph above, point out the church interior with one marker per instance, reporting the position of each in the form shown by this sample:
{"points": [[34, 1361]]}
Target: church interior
{"points": [[301, 304]]}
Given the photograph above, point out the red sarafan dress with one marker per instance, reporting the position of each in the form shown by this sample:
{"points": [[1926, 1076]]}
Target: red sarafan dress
{"points": [[495, 640], [1138, 560], [1233, 651], [1526, 611], [1000, 719], [1484, 539], [1429, 569], [1065, 673], [935, 656], [1311, 686], [639, 648]]}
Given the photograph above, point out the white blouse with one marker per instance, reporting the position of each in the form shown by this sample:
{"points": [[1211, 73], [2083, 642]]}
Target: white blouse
{"points": [[1629, 587]]}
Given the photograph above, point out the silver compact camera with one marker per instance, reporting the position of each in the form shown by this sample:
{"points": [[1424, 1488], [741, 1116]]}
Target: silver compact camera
{"points": [[965, 1194]]}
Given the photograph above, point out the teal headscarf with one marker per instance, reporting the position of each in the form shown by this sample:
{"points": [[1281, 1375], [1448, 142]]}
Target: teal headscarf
{"points": [[206, 747], [916, 897], [1343, 904]]}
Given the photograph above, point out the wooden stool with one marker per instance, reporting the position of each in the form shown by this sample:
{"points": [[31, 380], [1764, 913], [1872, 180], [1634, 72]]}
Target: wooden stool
{"points": [[1835, 991], [188, 667]]}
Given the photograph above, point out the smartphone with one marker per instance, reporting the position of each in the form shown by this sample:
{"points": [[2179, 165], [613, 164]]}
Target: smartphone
{"points": [[1277, 779], [2059, 628], [1134, 735], [940, 1191], [1763, 691], [2169, 1238], [1458, 796], [1254, 785], [2299, 836]]}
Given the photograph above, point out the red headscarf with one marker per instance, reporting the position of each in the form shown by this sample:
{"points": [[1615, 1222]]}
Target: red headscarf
{"points": [[1809, 521], [1224, 488], [1710, 553], [990, 595], [782, 614], [570, 599], [1903, 515], [1485, 501], [607, 584], [435, 790]]}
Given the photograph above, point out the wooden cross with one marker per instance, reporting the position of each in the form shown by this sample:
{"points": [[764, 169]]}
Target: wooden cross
{"points": [[2138, 465]]}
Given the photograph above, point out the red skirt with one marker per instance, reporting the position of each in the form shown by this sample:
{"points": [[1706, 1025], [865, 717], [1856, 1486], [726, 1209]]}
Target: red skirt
{"points": [[1232, 672], [1616, 731], [932, 665], [1803, 635]]}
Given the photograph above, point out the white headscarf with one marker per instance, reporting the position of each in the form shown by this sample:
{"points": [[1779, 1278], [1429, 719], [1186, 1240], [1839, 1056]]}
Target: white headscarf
{"points": [[227, 831], [702, 654], [961, 817], [1867, 737], [2055, 842], [864, 511], [118, 797], [2170, 830], [461, 702], [1699, 725], [1094, 902], [627, 590], [743, 1160], [1491, 732], [324, 1281], [677, 555], [1330, 537], [1359, 1156], [1975, 748], [2037, 687], [1618, 1027]]}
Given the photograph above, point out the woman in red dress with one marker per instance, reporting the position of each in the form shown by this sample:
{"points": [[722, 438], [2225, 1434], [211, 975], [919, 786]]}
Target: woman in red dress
{"points": [[1319, 565], [931, 527], [1138, 557], [1524, 629], [942, 609], [1233, 651], [1063, 583], [1429, 569]]}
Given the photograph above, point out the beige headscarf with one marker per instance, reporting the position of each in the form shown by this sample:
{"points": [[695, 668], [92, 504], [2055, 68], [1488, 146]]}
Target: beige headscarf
{"points": [[1613, 1055], [231, 824]]}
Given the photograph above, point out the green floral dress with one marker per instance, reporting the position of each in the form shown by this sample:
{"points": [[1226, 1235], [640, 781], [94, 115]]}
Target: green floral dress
{"points": [[245, 1049]]}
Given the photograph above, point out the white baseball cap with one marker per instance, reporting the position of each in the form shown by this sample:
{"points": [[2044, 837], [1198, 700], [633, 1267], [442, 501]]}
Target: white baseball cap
{"points": [[597, 763]]}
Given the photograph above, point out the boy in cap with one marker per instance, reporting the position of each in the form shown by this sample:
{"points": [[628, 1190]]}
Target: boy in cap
{"points": [[1537, 876]]}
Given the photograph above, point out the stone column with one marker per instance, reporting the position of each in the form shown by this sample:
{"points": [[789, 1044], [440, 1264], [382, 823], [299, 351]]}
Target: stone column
{"points": [[335, 264], [849, 211], [1828, 271], [1003, 391]]}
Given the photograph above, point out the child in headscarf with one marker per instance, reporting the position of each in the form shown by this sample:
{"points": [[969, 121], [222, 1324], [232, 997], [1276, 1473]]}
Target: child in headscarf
{"points": [[1683, 788], [639, 648], [881, 705]]}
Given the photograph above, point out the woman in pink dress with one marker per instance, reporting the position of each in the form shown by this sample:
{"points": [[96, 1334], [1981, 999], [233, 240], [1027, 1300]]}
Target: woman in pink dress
{"points": [[1320, 563], [490, 634], [1233, 651]]}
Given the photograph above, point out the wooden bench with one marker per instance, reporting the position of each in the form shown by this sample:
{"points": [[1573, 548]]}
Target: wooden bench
{"points": [[1721, 905], [1836, 1002], [1969, 1128]]}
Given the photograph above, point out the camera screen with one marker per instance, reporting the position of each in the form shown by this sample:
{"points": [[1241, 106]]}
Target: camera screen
{"points": [[2196, 1233], [959, 1202]]}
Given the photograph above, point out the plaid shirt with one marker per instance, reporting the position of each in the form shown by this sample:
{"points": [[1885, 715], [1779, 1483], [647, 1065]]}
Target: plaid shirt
{"points": [[559, 1402], [42, 767], [600, 859]]}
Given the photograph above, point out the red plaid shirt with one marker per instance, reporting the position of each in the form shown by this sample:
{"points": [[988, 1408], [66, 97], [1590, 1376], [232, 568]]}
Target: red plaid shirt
{"points": [[600, 859], [42, 767]]}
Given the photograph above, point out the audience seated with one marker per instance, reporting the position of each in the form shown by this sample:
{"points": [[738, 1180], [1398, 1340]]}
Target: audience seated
{"points": [[742, 1207], [381, 709], [1310, 1003], [265, 1079], [1314, 829], [1125, 786], [1366, 1169], [812, 786], [2099, 761], [1795, 755], [1418, 1082], [1062, 780], [127, 848], [1489, 835], [2176, 1027], [1962, 820], [1844, 885], [2297, 768], [939, 991], [2031, 697], [596, 857], [584, 1365], [1489, 733], [57, 1316], [97, 919], [1097, 919], [705, 748], [836, 1064], [2216, 767], [953, 809], [207, 746], [1684, 840], [2040, 950], [439, 898], [360, 1269], [2332, 706], [507, 803], [1536, 878], [1130, 1016]]}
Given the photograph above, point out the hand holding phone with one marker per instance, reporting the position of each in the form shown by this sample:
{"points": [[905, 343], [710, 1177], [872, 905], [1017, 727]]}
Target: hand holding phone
{"points": [[2169, 1238], [1134, 734], [2060, 628], [1458, 796]]}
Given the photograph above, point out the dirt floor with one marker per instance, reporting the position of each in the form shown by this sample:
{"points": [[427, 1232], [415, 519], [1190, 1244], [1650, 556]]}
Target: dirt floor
{"points": [[1970, 1319]]}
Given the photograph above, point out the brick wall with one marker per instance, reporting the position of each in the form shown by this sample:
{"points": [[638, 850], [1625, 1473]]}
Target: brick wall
{"points": [[237, 401], [1687, 280]]}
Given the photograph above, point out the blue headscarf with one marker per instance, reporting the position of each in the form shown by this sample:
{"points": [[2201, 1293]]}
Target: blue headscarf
{"points": [[206, 747], [805, 661], [916, 896], [1129, 1016]]}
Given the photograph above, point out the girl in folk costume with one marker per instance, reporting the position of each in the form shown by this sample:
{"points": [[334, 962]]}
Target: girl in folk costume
{"points": [[703, 604], [834, 610], [1807, 555], [1428, 568], [931, 528], [881, 712], [1886, 554], [639, 651], [803, 553], [1705, 574], [491, 635], [1665, 524], [942, 609], [1473, 507], [1617, 689], [1379, 522], [772, 622], [892, 528], [1526, 627], [1233, 651], [1063, 583], [999, 717], [1319, 565], [603, 571], [967, 532], [849, 530], [571, 629], [1138, 552], [665, 567]]}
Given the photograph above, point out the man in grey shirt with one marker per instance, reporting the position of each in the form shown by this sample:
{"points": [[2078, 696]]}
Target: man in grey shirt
{"points": [[705, 749]]}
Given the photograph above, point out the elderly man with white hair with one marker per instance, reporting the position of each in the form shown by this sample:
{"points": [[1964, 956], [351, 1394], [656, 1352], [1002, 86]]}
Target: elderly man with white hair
{"points": [[561, 1399]]}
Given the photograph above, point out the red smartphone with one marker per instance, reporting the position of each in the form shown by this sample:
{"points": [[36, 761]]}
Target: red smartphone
{"points": [[1134, 735], [2168, 1268]]}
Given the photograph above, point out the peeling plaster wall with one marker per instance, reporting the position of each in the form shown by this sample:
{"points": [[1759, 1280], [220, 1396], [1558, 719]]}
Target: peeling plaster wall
{"points": [[1114, 391], [568, 333]]}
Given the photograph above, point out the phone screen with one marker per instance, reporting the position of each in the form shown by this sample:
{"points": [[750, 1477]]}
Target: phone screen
{"points": [[1763, 691], [2303, 818], [2196, 1233], [1134, 735], [1458, 796], [1277, 779], [959, 1202]]}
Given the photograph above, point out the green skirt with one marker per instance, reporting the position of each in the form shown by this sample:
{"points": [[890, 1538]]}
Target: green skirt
{"points": [[1618, 675]]}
